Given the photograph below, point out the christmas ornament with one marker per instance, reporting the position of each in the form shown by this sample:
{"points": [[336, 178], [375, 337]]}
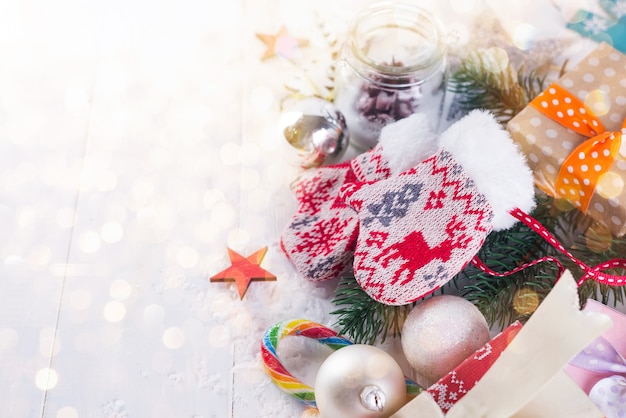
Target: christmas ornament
{"points": [[316, 132], [441, 332], [609, 395], [420, 228], [604, 357], [321, 235], [282, 44], [284, 380], [359, 381], [243, 270]]}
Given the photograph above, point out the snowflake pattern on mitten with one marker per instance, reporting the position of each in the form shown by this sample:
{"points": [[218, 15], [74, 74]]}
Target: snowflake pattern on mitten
{"points": [[321, 235], [416, 230]]}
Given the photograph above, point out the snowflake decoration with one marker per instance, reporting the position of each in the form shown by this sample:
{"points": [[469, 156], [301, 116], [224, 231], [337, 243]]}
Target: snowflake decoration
{"points": [[595, 25]]}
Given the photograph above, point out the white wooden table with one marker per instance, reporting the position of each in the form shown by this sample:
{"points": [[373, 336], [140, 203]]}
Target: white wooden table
{"points": [[137, 142]]}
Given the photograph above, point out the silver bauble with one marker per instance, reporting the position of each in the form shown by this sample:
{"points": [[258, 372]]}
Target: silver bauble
{"points": [[359, 381], [316, 132]]}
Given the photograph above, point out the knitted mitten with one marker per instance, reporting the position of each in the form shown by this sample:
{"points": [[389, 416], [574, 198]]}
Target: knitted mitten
{"points": [[417, 230], [321, 235]]}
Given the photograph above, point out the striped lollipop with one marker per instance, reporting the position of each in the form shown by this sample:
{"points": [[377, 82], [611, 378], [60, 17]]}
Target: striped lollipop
{"points": [[304, 328]]}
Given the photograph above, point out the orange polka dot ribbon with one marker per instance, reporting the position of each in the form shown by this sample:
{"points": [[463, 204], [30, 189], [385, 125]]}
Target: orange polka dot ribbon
{"points": [[584, 167]]}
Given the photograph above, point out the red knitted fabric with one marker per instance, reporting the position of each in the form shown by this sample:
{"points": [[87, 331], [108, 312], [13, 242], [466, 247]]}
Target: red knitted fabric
{"points": [[453, 386], [321, 235], [416, 230]]}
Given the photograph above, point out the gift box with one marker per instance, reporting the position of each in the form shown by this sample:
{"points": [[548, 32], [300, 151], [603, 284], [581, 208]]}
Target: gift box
{"points": [[591, 367], [571, 136]]}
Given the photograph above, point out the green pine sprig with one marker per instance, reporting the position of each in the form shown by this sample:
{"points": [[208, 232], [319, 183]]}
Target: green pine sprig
{"points": [[484, 81], [364, 319]]}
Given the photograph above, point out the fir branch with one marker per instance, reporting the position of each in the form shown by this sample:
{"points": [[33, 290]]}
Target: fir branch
{"points": [[592, 243], [364, 319], [480, 82], [498, 298]]}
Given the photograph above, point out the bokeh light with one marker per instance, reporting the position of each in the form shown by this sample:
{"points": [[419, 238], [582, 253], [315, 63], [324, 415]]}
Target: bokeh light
{"points": [[525, 301], [111, 232], [173, 338], [524, 36], [89, 242], [496, 60], [46, 379], [610, 185], [114, 311], [599, 102]]}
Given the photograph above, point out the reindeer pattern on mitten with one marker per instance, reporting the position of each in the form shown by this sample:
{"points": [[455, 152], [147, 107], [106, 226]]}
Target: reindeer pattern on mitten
{"points": [[417, 229]]}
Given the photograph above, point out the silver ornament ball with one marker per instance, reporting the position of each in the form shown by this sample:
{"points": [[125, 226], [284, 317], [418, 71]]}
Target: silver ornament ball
{"points": [[441, 332], [359, 381], [315, 131]]}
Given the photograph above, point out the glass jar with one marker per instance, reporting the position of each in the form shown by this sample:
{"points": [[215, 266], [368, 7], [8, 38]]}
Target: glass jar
{"points": [[393, 64]]}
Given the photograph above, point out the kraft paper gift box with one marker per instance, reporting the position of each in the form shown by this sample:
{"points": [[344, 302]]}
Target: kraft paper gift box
{"points": [[599, 82]]}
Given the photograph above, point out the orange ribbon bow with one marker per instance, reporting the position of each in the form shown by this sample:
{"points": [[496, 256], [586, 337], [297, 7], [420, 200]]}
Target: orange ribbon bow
{"points": [[583, 169]]}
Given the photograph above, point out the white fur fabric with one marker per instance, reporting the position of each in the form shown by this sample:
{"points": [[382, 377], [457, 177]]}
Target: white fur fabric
{"points": [[491, 158], [407, 142]]}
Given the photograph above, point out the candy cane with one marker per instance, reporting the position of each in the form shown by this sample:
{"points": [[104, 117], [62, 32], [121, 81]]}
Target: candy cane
{"points": [[301, 327]]}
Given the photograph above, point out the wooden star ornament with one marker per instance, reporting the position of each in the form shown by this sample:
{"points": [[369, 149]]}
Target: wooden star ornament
{"points": [[282, 44], [243, 270]]}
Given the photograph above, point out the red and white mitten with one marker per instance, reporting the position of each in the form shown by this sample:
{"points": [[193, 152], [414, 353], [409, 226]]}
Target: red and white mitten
{"points": [[321, 235], [418, 229]]}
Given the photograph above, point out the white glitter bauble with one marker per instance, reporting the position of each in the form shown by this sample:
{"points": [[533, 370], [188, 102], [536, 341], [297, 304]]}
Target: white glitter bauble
{"points": [[359, 381], [441, 332]]}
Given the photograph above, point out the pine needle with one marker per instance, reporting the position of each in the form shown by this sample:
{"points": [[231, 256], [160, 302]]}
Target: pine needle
{"points": [[363, 319], [486, 81]]}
